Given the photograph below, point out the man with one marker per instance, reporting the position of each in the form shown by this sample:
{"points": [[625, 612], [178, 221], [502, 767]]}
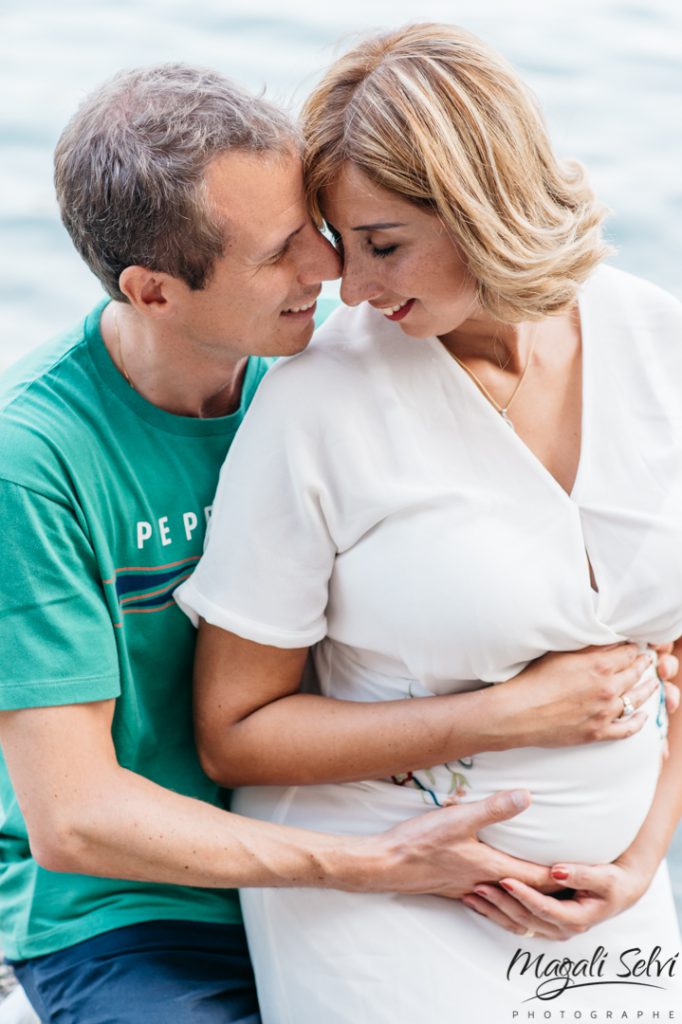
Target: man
{"points": [[184, 196]]}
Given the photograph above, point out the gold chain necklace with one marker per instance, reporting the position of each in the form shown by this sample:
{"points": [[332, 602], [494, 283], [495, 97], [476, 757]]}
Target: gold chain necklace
{"points": [[502, 409], [124, 370], [119, 349]]}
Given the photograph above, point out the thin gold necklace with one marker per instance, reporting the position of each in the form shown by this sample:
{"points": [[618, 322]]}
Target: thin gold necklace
{"points": [[124, 370], [502, 409], [502, 365], [119, 349]]}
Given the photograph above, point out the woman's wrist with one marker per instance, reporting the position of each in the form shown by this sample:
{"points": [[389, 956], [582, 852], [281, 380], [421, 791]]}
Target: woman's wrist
{"points": [[501, 718], [641, 863]]}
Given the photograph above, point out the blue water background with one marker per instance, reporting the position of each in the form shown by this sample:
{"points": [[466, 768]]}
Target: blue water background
{"points": [[608, 75]]}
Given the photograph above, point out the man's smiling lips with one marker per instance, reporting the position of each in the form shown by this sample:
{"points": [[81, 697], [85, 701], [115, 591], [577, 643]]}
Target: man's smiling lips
{"points": [[397, 312], [303, 312]]}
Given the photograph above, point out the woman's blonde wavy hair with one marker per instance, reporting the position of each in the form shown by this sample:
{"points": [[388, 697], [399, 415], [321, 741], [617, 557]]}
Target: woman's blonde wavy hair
{"points": [[435, 116]]}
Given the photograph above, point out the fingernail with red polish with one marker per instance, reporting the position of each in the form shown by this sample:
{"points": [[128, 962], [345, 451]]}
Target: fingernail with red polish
{"points": [[559, 874], [481, 892], [507, 887]]}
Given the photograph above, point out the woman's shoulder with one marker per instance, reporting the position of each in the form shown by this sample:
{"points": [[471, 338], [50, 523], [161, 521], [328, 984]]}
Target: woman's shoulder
{"points": [[334, 393], [637, 327], [626, 296], [353, 349]]}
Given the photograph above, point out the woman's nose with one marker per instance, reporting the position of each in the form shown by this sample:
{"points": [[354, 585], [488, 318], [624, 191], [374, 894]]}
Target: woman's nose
{"points": [[356, 285]]}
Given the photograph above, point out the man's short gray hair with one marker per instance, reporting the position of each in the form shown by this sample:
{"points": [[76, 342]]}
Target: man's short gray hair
{"points": [[129, 168]]}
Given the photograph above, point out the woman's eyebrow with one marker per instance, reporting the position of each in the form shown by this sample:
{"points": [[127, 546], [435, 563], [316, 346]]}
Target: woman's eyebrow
{"points": [[377, 227]]}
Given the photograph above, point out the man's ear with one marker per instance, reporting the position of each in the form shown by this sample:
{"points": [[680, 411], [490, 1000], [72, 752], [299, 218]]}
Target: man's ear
{"points": [[151, 293]]}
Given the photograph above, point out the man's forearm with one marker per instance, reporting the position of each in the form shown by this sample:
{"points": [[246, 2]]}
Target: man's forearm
{"points": [[144, 832], [86, 814]]}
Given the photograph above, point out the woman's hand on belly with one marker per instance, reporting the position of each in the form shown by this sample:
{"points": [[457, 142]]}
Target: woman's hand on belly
{"points": [[601, 891], [573, 698], [604, 890]]}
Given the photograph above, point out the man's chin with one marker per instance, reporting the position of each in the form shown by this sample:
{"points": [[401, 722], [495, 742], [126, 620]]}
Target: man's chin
{"points": [[296, 342]]}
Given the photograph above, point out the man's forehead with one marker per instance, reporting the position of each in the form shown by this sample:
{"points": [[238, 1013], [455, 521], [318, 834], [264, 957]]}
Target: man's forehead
{"points": [[256, 195]]}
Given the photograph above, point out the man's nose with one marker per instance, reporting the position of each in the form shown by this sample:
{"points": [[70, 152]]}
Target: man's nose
{"points": [[322, 263]]}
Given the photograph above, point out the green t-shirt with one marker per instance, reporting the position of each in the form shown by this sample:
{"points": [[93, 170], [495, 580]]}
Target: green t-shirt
{"points": [[104, 500]]}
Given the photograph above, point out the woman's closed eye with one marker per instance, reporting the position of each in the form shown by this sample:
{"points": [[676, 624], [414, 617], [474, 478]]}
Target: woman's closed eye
{"points": [[376, 250], [383, 250]]}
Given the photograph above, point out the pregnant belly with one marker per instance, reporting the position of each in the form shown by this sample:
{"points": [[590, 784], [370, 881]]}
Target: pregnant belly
{"points": [[588, 802]]}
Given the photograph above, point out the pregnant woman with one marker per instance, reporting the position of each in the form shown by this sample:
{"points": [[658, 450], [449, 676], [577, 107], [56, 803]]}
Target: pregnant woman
{"points": [[478, 463]]}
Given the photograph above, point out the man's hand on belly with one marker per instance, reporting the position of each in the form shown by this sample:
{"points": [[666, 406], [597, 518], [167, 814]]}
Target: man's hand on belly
{"points": [[438, 853]]}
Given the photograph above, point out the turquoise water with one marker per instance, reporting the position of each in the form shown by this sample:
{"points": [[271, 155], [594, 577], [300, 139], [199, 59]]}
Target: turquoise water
{"points": [[608, 74]]}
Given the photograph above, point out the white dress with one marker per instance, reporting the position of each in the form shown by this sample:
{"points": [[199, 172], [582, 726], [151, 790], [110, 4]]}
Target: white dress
{"points": [[387, 514]]}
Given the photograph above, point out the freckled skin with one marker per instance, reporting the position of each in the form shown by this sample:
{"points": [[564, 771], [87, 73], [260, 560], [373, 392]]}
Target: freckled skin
{"points": [[426, 264], [417, 259]]}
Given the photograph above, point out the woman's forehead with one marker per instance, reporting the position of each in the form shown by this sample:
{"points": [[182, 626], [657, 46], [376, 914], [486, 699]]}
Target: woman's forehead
{"points": [[354, 201], [352, 193]]}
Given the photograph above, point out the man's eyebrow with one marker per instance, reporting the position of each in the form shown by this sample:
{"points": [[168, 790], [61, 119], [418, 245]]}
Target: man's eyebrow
{"points": [[382, 226], [281, 245]]}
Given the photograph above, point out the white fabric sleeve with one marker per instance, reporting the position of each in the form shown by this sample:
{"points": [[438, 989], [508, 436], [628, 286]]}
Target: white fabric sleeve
{"points": [[269, 553]]}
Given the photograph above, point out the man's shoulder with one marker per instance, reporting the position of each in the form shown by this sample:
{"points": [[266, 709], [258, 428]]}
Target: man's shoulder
{"points": [[41, 399], [43, 365]]}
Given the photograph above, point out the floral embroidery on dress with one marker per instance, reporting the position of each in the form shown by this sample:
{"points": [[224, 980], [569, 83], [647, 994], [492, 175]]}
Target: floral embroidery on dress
{"points": [[458, 783], [457, 786]]}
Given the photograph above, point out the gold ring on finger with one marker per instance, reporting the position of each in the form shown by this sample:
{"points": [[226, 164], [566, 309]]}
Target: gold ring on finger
{"points": [[628, 707]]}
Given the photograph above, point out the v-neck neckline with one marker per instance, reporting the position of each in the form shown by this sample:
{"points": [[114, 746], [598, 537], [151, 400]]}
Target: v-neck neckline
{"points": [[585, 394], [570, 499]]}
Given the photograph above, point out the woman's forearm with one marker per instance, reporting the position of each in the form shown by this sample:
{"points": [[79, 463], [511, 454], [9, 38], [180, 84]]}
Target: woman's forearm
{"points": [[253, 728], [305, 738], [654, 837]]}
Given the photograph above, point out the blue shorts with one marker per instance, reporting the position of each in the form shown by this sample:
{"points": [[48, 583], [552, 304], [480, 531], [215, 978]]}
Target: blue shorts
{"points": [[159, 972]]}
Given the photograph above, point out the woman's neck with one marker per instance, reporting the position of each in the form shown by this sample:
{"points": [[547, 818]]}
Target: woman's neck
{"points": [[507, 346]]}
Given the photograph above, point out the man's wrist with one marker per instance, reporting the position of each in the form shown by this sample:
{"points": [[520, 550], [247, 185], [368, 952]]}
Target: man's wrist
{"points": [[359, 864]]}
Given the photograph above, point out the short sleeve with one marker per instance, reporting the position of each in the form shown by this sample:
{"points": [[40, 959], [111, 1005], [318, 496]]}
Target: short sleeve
{"points": [[269, 554], [56, 634]]}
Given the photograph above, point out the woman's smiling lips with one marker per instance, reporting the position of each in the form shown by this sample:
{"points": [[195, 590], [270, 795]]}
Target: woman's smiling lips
{"points": [[397, 312]]}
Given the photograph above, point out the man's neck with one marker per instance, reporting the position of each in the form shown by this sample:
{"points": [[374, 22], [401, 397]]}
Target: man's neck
{"points": [[166, 371]]}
